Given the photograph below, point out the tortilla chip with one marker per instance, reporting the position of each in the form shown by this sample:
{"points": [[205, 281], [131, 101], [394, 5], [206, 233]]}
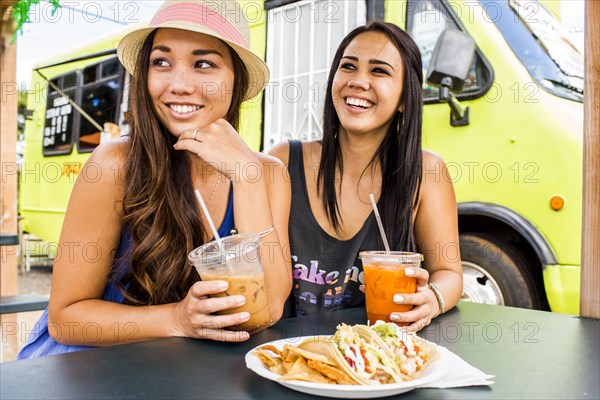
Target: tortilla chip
{"points": [[331, 372], [286, 351], [311, 355], [266, 358], [279, 369], [302, 372], [316, 345], [289, 360], [271, 348]]}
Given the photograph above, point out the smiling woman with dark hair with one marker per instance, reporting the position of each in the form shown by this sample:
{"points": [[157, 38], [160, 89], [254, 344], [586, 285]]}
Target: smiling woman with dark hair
{"points": [[191, 69], [371, 144]]}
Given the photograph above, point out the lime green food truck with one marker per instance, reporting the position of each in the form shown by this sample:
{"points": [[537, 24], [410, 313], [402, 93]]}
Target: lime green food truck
{"points": [[514, 153]]}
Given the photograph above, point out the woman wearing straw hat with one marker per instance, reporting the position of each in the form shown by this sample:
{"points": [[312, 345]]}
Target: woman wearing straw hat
{"points": [[129, 232], [371, 144]]}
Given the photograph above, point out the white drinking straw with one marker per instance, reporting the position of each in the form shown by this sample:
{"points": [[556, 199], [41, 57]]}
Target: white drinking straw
{"points": [[378, 218], [208, 218]]}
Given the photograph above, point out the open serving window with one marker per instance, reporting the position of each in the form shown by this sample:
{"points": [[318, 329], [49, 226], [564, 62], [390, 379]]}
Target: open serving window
{"points": [[98, 90]]}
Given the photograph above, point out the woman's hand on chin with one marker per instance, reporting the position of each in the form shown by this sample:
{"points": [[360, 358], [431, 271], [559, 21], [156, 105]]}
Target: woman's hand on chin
{"points": [[219, 145]]}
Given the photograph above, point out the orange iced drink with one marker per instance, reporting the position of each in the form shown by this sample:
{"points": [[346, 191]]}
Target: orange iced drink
{"points": [[236, 260], [384, 277]]}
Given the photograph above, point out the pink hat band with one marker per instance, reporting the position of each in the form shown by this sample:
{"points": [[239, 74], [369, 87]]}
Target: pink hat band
{"points": [[202, 15]]}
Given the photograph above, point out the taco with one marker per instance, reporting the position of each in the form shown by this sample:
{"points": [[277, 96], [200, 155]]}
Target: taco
{"points": [[304, 364], [362, 358], [411, 353]]}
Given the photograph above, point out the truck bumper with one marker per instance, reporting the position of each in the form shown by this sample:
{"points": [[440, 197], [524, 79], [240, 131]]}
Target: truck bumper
{"points": [[562, 287]]}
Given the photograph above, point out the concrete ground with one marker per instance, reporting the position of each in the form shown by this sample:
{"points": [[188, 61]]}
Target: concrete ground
{"points": [[38, 280]]}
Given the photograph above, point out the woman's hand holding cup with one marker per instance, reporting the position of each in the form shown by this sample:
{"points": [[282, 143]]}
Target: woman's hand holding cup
{"points": [[193, 315], [423, 301], [396, 289]]}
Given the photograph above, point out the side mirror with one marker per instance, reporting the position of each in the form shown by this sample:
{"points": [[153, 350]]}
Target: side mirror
{"points": [[448, 69], [452, 58]]}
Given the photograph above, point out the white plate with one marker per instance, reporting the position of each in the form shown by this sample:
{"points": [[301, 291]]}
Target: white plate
{"points": [[434, 371]]}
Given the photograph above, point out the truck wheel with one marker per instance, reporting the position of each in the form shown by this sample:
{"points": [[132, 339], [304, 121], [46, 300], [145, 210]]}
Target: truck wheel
{"points": [[494, 272]]}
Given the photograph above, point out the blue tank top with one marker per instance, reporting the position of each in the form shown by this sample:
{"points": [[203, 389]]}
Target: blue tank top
{"points": [[326, 271], [40, 343]]}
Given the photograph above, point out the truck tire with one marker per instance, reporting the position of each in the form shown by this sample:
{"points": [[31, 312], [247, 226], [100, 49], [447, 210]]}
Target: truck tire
{"points": [[494, 272]]}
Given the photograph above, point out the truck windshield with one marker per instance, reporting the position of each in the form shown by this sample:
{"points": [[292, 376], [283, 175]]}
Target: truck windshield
{"points": [[541, 43]]}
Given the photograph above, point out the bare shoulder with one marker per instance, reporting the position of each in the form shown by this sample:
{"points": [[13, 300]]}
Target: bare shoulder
{"points": [[434, 168], [436, 185], [269, 159], [281, 151], [95, 205], [105, 168], [274, 169], [111, 153], [431, 158], [312, 148]]}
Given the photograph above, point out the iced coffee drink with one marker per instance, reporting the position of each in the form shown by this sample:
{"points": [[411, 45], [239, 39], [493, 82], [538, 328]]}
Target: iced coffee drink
{"points": [[257, 303], [237, 261]]}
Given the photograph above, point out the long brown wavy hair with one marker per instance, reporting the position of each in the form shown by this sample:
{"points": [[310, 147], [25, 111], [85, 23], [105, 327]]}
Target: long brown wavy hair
{"points": [[399, 154], [159, 205]]}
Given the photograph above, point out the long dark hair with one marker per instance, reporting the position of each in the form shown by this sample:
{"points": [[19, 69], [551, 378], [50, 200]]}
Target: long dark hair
{"points": [[159, 204], [399, 154]]}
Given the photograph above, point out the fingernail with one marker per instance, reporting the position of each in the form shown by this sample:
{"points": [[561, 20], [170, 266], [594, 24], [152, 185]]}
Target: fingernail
{"points": [[409, 271], [240, 300], [398, 298], [244, 316], [244, 335], [222, 285], [395, 317]]}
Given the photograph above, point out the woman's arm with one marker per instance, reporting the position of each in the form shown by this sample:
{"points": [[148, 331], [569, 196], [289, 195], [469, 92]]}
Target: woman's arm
{"points": [[87, 247], [262, 198], [436, 234], [253, 208]]}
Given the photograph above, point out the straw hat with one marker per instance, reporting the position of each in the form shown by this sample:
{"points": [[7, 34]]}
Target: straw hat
{"points": [[222, 19]]}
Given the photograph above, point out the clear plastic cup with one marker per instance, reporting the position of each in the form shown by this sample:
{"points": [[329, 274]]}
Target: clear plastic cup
{"points": [[385, 277], [237, 261]]}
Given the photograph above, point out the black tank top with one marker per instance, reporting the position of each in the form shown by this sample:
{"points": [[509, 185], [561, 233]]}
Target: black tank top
{"points": [[326, 271]]}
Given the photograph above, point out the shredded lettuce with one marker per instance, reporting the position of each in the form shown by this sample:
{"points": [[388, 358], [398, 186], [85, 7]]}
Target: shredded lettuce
{"points": [[385, 330]]}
